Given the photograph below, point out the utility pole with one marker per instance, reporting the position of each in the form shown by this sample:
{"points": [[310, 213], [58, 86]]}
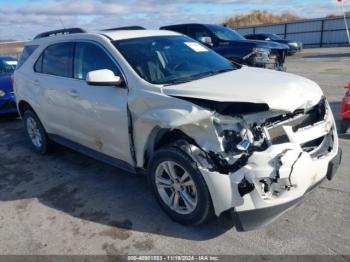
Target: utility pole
{"points": [[345, 20]]}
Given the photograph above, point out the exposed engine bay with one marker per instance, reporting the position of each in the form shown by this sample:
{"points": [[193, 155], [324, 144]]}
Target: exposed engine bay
{"points": [[259, 153], [255, 150], [254, 128]]}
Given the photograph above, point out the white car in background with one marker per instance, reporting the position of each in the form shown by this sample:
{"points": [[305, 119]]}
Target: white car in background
{"points": [[212, 136]]}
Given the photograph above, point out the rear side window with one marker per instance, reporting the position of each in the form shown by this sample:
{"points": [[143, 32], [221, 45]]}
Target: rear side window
{"points": [[89, 57], [56, 60], [27, 52]]}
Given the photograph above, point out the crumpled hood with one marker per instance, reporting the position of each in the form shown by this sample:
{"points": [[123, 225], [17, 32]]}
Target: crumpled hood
{"points": [[279, 90], [6, 84]]}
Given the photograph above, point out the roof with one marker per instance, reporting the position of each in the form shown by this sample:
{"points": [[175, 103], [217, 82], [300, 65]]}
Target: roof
{"points": [[128, 34], [111, 34]]}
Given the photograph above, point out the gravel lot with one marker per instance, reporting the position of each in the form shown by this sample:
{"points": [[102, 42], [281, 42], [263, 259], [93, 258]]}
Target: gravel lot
{"points": [[66, 203]]}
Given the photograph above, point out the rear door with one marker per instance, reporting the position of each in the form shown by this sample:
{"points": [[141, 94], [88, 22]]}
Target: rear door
{"points": [[99, 119], [53, 85]]}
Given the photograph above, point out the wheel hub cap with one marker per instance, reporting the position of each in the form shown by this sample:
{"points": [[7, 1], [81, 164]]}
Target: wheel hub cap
{"points": [[176, 187], [34, 132]]}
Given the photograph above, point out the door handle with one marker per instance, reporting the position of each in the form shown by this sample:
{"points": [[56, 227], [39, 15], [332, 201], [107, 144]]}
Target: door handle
{"points": [[73, 93], [36, 82]]}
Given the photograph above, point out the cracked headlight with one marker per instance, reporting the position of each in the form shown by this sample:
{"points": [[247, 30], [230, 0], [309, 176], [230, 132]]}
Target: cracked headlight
{"points": [[234, 141]]}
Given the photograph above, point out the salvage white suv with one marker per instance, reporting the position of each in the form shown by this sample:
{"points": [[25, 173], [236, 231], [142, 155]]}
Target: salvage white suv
{"points": [[212, 136]]}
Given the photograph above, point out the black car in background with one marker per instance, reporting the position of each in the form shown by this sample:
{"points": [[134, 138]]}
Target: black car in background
{"points": [[294, 46], [234, 46]]}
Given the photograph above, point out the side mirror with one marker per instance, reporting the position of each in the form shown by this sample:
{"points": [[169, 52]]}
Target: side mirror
{"points": [[206, 40], [104, 77]]}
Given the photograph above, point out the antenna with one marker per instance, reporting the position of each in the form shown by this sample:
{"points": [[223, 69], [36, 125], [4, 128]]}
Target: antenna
{"points": [[62, 23]]}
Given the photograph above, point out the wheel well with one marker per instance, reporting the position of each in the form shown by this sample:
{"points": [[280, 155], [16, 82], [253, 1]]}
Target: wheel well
{"points": [[24, 106], [162, 138]]}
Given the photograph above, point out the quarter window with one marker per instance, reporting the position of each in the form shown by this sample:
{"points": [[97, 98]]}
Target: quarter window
{"points": [[27, 51], [57, 60], [89, 57], [38, 67]]}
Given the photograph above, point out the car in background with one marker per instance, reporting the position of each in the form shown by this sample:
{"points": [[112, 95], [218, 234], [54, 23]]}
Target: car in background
{"points": [[345, 112], [235, 47], [7, 98], [294, 46]]}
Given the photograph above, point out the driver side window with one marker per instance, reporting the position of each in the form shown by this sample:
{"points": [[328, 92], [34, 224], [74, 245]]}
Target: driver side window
{"points": [[89, 57], [197, 32]]}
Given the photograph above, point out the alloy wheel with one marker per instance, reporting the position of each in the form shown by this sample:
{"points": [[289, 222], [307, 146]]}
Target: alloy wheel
{"points": [[34, 132], [176, 187]]}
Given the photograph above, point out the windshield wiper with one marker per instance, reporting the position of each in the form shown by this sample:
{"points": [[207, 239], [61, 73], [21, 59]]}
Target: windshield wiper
{"points": [[198, 76], [188, 79]]}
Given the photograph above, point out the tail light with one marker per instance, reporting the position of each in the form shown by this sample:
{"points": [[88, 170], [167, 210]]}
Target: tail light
{"points": [[347, 98], [348, 86], [347, 95]]}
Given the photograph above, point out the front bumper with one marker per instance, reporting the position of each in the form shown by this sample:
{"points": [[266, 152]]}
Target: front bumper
{"points": [[279, 176], [293, 50], [256, 218], [8, 104]]}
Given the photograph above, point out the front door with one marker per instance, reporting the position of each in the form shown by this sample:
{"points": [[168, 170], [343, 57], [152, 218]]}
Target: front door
{"points": [[99, 120]]}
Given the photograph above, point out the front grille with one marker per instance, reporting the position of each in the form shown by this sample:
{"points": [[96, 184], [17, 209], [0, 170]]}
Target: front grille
{"points": [[323, 146], [9, 105], [298, 120]]}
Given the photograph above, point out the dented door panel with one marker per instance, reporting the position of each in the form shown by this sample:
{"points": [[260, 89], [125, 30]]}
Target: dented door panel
{"points": [[100, 121]]}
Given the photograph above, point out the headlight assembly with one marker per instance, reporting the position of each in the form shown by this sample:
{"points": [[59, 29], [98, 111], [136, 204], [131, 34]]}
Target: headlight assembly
{"points": [[293, 44], [262, 51], [2, 93], [261, 55], [234, 141], [237, 136]]}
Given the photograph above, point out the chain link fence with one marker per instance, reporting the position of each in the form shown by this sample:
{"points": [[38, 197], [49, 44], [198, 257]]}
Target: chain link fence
{"points": [[319, 32]]}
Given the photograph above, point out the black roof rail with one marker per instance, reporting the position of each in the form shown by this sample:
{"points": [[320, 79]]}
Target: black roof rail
{"points": [[134, 27], [65, 31]]}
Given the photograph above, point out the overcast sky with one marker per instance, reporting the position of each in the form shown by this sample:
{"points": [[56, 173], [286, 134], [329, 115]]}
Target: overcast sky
{"points": [[22, 19]]}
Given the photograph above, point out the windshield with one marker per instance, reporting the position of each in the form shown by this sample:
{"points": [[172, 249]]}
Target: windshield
{"points": [[225, 33], [7, 66], [171, 59]]}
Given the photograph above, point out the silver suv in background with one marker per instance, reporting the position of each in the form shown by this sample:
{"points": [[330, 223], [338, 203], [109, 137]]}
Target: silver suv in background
{"points": [[210, 135]]}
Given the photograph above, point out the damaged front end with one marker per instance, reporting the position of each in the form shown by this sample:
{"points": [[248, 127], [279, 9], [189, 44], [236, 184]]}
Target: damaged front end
{"points": [[262, 162]]}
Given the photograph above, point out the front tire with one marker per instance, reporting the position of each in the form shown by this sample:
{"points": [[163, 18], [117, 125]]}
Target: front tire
{"points": [[345, 125], [36, 133], [179, 187]]}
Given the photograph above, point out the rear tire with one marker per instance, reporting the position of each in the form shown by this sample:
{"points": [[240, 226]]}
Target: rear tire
{"points": [[183, 195], [36, 132], [345, 126]]}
